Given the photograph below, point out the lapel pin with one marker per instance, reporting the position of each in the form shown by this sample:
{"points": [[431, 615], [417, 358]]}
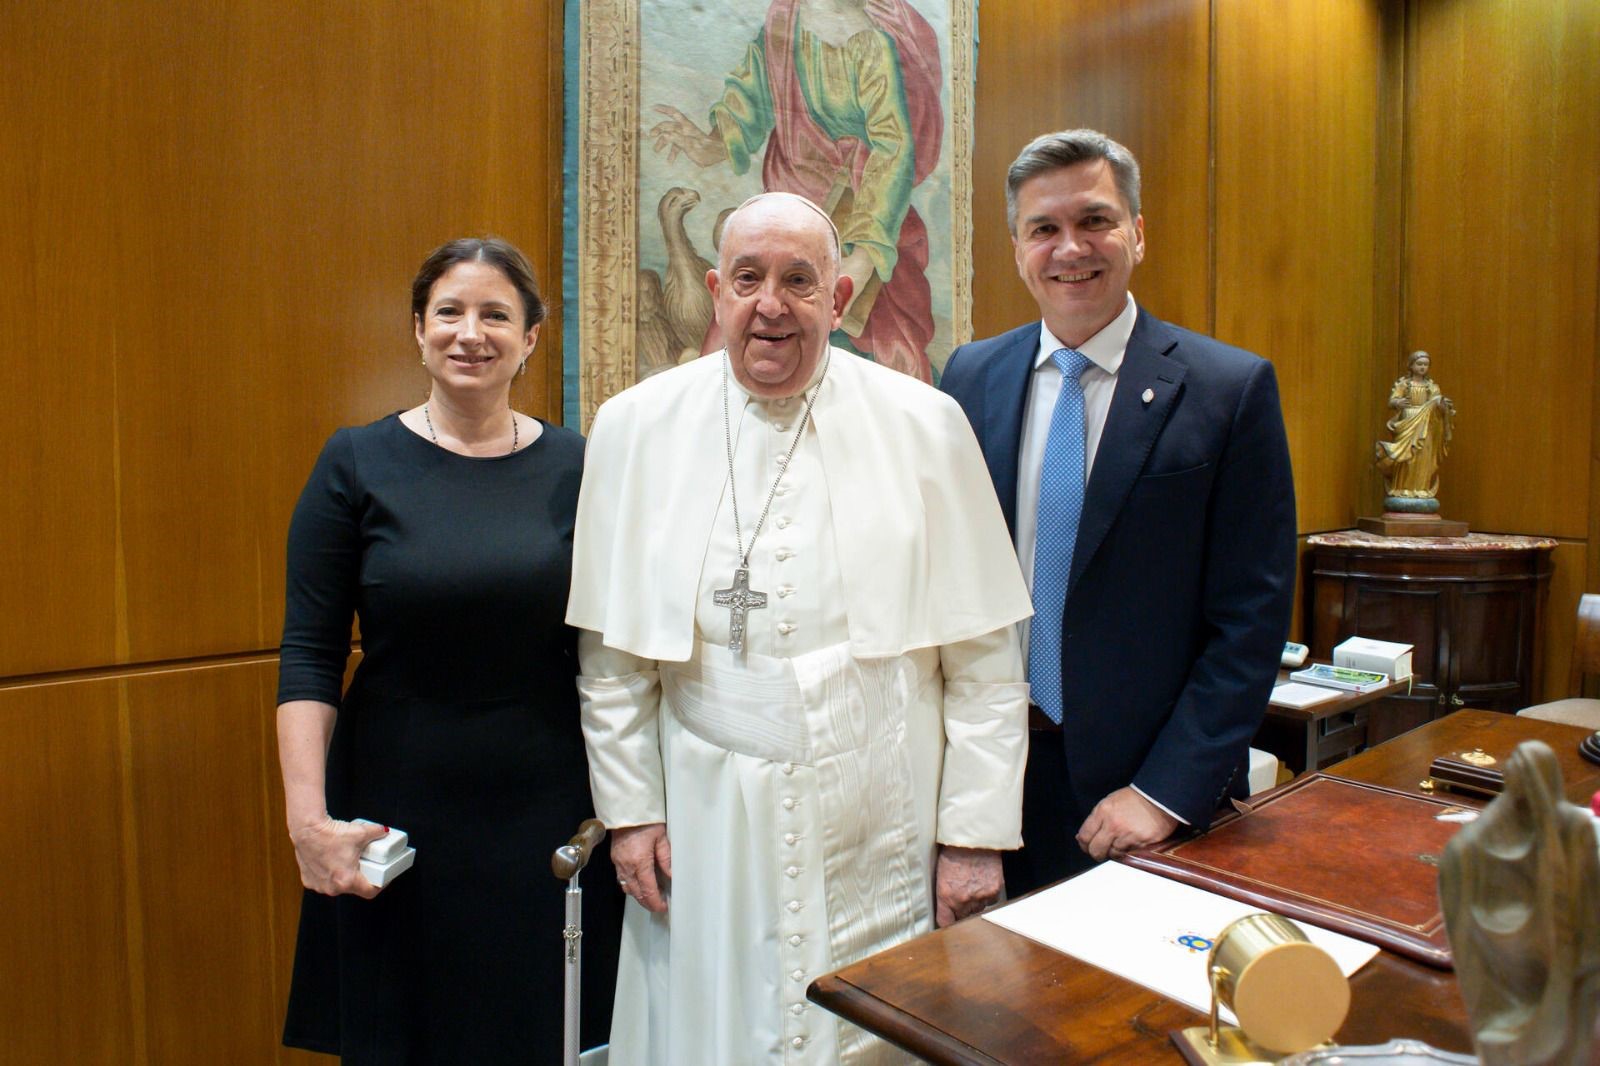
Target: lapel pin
{"points": [[1149, 394]]}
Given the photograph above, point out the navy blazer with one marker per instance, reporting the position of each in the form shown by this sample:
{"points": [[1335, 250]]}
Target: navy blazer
{"points": [[1183, 572]]}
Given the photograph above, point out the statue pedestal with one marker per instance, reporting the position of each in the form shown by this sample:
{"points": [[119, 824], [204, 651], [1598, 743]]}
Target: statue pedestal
{"points": [[1400, 524]]}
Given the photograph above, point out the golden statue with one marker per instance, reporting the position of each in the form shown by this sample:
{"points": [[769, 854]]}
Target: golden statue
{"points": [[1421, 428], [1521, 895]]}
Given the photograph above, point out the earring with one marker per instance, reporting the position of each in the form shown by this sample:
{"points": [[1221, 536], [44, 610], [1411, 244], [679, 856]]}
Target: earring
{"points": [[523, 369]]}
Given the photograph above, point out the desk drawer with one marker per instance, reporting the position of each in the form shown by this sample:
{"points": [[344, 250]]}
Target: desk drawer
{"points": [[1340, 735]]}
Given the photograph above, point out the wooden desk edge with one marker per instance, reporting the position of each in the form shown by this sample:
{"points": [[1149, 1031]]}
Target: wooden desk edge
{"points": [[895, 1025]]}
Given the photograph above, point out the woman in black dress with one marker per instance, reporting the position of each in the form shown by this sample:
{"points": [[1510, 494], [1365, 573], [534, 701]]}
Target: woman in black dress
{"points": [[448, 530]]}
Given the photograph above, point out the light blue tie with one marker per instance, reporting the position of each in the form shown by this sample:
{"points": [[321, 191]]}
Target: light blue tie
{"points": [[1060, 504]]}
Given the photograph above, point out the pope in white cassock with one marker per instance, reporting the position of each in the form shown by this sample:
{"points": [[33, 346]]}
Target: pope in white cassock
{"points": [[801, 684]]}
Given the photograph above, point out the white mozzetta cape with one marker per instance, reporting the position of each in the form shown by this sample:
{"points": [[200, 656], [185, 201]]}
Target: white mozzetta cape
{"points": [[922, 545]]}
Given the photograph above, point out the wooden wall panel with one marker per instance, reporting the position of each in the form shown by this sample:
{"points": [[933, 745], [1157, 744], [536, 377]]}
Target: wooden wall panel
{"points": [[65, 947], [155, 916], [1503, 146], [213, 234], [1297, 113], [1502, 241], [57, 337], [213, 215], [1567, 583], [1136, 69], [199, 768]]}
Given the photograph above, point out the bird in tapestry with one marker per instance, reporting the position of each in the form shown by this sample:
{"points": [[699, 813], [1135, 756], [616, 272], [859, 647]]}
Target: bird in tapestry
{"points": [[677, 301]]}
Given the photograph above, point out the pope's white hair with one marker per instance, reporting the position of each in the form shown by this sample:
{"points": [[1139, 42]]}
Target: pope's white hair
{"points": [[835, 252]]}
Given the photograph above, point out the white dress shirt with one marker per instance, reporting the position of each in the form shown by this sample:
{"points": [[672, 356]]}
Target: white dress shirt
{"points": [[1104, 351]]}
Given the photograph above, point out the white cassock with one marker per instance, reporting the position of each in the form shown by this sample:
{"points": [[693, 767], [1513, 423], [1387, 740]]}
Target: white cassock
{"points": [[876, 711]]}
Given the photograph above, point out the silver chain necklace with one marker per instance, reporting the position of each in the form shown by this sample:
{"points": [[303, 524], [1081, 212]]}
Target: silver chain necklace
{"points": [[435, 437], [740, 598]]}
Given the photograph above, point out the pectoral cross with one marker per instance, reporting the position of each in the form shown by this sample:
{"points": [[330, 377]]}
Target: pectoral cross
{"points": [[738, 600]]}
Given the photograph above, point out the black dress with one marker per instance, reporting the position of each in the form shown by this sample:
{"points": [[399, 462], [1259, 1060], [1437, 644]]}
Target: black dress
{"points": [[460, 727]]}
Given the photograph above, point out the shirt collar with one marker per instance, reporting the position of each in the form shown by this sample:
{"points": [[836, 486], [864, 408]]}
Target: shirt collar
{"points": [[1105, 349]]}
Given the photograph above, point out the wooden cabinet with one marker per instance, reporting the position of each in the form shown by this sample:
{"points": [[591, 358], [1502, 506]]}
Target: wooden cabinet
{"points": [[1472, 607]]}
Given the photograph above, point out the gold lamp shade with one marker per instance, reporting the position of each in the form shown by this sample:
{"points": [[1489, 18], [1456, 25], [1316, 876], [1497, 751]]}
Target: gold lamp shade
{"points": [[1288, 993]]}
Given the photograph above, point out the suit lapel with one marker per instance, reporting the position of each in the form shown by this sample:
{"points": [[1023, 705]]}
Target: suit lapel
{"points": [[1006, 392], [1132, 426]]}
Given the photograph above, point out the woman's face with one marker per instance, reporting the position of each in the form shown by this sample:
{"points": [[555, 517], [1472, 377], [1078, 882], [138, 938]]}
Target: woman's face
{"points": [[473, 335], [1419, 366]]}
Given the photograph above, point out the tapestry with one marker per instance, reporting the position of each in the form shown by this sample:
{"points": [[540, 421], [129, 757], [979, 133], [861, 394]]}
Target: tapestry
{"points": [[676, 112]]}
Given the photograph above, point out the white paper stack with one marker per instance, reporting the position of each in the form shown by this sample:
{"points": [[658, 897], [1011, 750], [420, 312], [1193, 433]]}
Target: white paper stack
{"points": [[1379, 656], [1151, 930], [1295, 694]]}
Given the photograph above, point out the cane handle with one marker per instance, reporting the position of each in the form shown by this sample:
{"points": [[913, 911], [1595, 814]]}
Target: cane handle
{"points": [[573, 856]]}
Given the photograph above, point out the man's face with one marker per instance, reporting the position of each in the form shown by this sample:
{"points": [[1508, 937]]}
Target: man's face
{"points": [[778, 295], [1076, 245]]}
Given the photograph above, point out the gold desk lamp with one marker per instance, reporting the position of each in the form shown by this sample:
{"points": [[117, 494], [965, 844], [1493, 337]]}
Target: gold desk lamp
{"points": [[1288, 994]]}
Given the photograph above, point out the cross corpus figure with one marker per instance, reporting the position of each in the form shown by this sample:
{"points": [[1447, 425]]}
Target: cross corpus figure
{"points": [[738, 599]]}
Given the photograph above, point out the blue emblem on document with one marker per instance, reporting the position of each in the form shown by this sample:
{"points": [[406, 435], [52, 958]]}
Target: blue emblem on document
{"points": [[1191, 942]]}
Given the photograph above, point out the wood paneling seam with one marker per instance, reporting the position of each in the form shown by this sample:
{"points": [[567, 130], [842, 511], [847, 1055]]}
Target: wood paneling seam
{"points": [[132, 898]]}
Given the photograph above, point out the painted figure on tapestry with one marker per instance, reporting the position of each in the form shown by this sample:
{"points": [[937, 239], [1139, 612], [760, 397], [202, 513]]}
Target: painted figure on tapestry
{"points": [[1421, 426], [844, 94]]}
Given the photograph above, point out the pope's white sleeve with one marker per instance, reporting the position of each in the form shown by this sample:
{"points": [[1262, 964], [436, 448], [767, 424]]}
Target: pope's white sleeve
{"points": [[986, 742], [620, 698]]}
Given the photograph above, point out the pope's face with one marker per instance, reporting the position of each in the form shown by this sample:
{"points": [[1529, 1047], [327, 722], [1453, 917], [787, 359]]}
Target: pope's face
{"points": [[778, 295], [1076, 245]]}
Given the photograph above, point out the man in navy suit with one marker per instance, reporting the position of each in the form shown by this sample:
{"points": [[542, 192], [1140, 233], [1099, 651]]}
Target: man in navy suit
{"points": [[1144, 472]]}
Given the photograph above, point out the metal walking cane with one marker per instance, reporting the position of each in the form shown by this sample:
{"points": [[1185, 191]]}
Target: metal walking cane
{"points": [[567, 863]]}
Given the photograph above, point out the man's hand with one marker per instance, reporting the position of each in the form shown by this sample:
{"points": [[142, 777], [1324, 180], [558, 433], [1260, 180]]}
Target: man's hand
{"points": [[1123, 822], [643, 855], [966, 880]]}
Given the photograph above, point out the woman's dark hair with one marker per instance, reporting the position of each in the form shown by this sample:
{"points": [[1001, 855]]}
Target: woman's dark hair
{"points": [[502, 255]]}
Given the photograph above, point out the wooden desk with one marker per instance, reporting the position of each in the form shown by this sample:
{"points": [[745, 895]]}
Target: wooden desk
{"points": [[977, 995], [1309, 738], [1402, 763]]}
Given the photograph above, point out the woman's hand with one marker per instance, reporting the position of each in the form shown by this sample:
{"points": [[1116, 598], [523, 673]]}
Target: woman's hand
{"points": [[329, 854]]}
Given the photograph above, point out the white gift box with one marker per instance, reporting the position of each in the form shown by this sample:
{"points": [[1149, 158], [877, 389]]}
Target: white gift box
{"points": [[381, 873], [386, 858], [1380, 656], [386, 847]]}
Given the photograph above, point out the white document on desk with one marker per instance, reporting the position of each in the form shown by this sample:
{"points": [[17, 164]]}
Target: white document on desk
{"points": [[1298, 694], [1147, 928]]}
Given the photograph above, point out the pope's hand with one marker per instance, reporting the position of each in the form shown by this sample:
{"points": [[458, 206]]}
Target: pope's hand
{"points": [[1122, 822], [329, 854], [643, 855], [966, 880]]}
